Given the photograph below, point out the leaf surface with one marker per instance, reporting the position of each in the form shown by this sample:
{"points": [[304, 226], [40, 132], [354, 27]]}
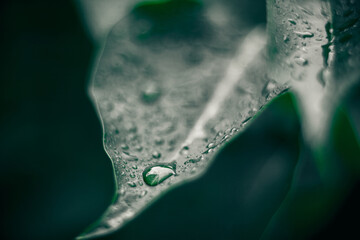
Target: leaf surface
{"points": [[177, 80]]}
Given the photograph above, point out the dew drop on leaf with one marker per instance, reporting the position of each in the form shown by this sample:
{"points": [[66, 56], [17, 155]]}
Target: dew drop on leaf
{"points": [[150, 93], [158, 173], [124, 146], [301, 61], [292, 21], [132, 184], [211, 145], [156, 154], [159, 140], [126, 156], [193, 160], [304, 34], [184, 151]]}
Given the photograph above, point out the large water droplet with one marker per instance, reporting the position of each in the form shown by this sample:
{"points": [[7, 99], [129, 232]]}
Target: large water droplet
{"points": [[158, 173]]}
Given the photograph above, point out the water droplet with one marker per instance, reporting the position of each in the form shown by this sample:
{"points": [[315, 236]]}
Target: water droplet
{"points": [[156, 154], [157, 174], [138, 148], [286, 38], [233, 131], [134, 167], [225, 138], [184, 151], [269, 88], [245, 121], [132, 184], [124, 146], [131, 127], [132, 175], [301, 61], [143, 193], [151, 93], [159, 140], [304, 34], [208, 151], [292, 21], [122, 191], [126, 156], [324, 76], [211, 145], [193, 160]]}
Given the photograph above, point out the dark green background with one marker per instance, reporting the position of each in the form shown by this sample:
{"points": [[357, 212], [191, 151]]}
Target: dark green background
{"points": [[55, 176]]}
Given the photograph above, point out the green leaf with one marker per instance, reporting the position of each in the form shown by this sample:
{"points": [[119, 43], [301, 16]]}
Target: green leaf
{"points": [[167, 90], [178, 79]]}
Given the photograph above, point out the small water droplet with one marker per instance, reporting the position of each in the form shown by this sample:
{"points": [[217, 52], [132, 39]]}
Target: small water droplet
{"points": [[130, 127], [132, 175], [225, 138], [124, 146], [208, 151], [301, 61], [245, 121], [156, 154], [211, 145], [143, 193], [134, 167], [193, 160], [157, 174], [159, 140], [233, 131], [122, 191], [138, 148], [292, 21], [324, 76], [304, 34], [151, 93], [126, 156], [132, 184], [286, 38], [184, 151]]}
